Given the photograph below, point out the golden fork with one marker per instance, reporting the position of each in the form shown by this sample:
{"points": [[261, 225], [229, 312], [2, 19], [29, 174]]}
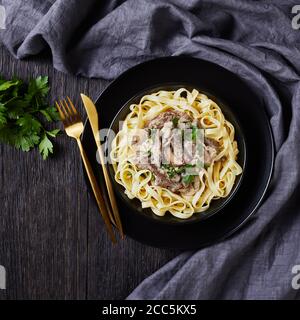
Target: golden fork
{"points": [[74, 128]]}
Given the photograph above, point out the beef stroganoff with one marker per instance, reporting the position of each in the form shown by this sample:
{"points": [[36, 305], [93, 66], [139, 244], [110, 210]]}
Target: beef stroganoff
{"points": [[176, 153]]}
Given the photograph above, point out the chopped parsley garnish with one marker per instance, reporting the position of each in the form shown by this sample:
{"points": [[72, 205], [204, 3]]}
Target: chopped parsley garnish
{"points": [[189, 165], [188, 179], [172, 171], [194, 133], [179, 170], [175, 122]]}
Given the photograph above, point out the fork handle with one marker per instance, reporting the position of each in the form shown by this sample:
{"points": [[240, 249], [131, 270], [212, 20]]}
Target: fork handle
{"points": [[97, 193]]}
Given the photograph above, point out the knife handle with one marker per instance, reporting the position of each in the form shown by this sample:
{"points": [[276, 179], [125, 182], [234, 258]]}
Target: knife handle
{"points": [[97, 193], [110, 190]]}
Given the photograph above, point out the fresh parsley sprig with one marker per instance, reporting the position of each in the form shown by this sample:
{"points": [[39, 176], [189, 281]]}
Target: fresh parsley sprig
{"points": [[23, 114]]}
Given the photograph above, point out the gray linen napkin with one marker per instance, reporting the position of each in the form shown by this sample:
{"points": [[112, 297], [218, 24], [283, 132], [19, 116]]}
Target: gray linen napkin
{"points": [[255, 39]]}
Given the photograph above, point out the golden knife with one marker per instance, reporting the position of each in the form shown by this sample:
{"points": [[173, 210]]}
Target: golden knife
{"points": [[94, 121]]}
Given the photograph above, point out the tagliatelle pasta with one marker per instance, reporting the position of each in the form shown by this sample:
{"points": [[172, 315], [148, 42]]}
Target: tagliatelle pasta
{"points": [[167, 187]]}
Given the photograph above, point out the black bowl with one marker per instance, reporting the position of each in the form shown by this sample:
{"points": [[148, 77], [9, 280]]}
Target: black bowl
{"points": [[216, 205], [248, 110]]}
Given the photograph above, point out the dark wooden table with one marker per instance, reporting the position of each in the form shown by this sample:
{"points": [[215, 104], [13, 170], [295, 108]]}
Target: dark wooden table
{"points": [[52, 241]]}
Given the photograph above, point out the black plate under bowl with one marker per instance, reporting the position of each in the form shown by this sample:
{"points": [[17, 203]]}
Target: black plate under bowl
{"points": [[249, 112], [215, 205]]}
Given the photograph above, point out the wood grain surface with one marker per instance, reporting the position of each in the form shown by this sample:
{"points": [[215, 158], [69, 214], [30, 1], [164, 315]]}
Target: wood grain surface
{"points": [[52, 239]]}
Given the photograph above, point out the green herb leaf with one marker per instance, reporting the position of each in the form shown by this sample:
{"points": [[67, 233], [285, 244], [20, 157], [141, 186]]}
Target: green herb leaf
{"points": [[21, 107], [180, 170], [170, 170], [175, 122], [188, 179], [3, 114], [45, 147], [171, 173], [38, 86], [53, 133], [188, 165], [29, 124], [26, 142], [194, 133], [15, 107], [50, 114], [8, 84]]}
